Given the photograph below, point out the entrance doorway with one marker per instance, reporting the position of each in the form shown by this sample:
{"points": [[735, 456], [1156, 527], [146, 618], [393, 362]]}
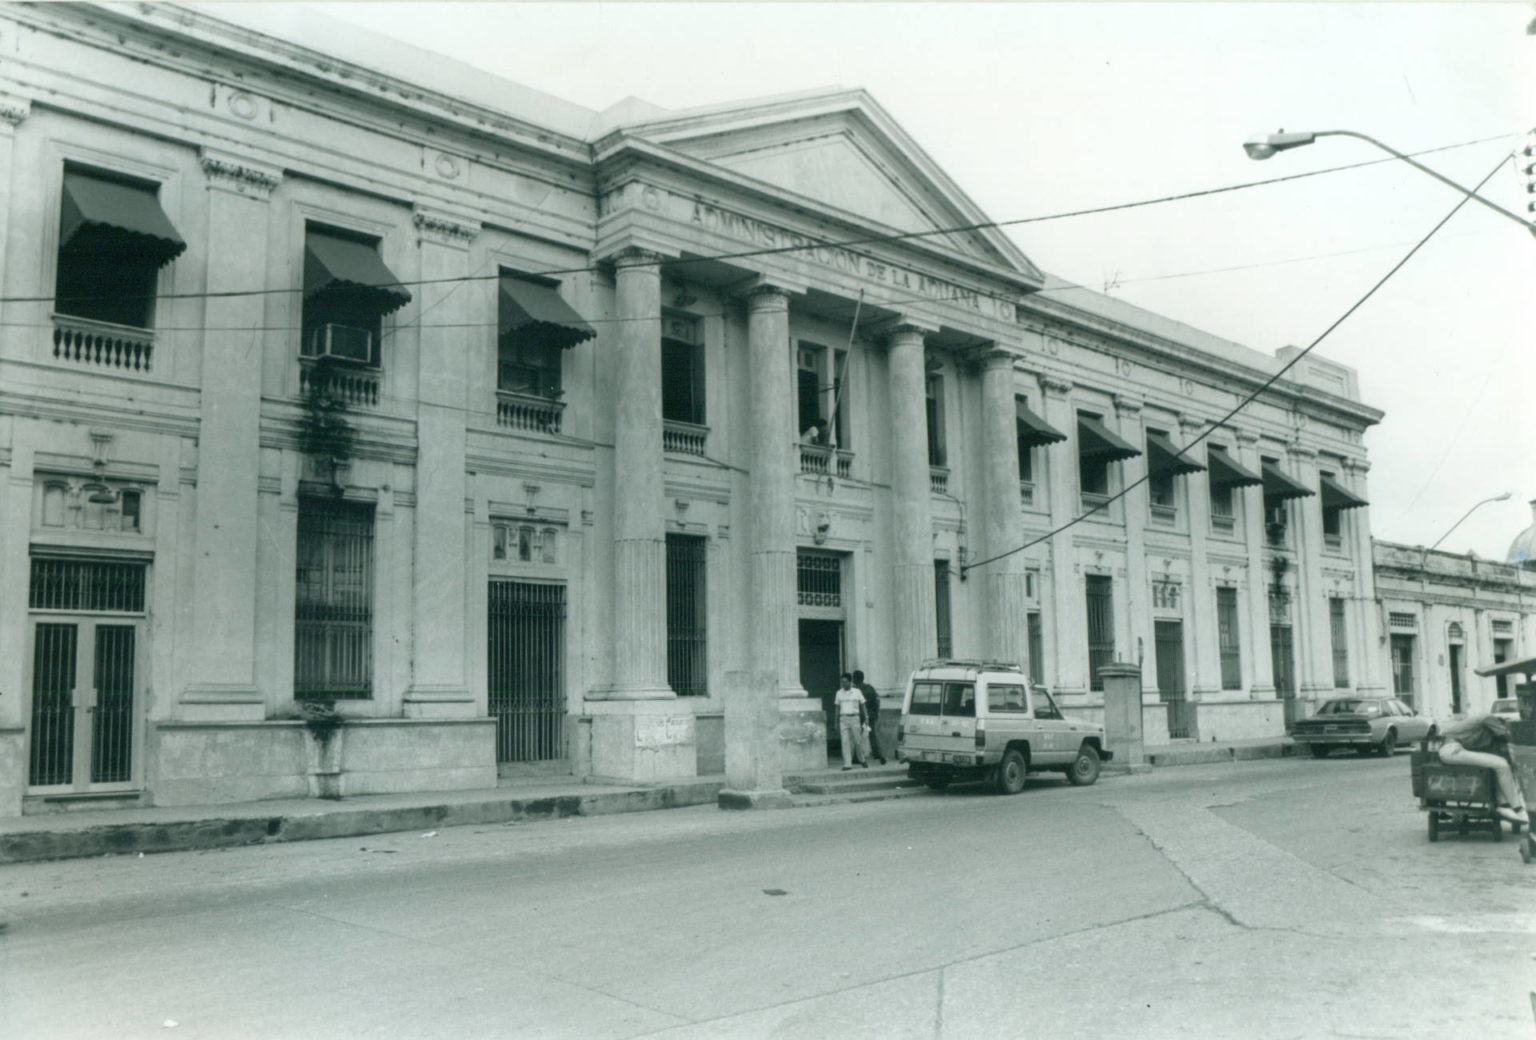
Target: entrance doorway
{"points": [[1282, 655], [821, 662], [1168, 644], [83, 725], [526, 671]]}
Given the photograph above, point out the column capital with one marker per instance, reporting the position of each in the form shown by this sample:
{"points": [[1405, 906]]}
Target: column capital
{"points": [[1357, 466], [14, 110], [445, 229], [1300, 453], [232, 173], [1246, 437], [905, 326], [1128, 405], [992, 356], [1053, 387], [1191, 424], [635, 256], [765, 296]]}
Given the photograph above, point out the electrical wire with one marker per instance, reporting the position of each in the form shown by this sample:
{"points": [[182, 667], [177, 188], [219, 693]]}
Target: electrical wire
{"points": [[841, 244], [1099, 507]]}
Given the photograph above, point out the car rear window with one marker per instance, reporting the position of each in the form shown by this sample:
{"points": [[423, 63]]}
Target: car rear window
{"points": [[1006, 698], [932, 697], [1350, 707]]}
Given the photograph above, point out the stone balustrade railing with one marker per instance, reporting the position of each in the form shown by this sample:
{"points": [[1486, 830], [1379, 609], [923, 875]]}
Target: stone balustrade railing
{"points": [[682, 438], [102, 343], [527, 412]]}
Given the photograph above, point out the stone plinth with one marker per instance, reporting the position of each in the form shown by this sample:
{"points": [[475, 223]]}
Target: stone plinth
{"points": [[642, 740], [1122, 718], [754, 776], [802, 734]]}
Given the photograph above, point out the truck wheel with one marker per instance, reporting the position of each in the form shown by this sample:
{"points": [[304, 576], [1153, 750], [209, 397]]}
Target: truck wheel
{"points": [[1085, 768], [1320, 750], [1011, 772]]}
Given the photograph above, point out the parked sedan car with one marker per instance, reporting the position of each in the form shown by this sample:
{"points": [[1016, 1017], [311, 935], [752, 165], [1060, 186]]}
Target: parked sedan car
{"points": [[1376, 724]]}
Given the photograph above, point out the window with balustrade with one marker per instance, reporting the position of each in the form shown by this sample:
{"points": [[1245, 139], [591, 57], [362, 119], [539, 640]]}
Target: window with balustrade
{"points": [[535, 327], [347, 292], [114, 238]]}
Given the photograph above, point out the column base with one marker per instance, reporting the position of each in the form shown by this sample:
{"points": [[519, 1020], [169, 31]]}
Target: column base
{"points": [[631, 693], [802, 734], [222, 702], [646, 739], [780, 799]]}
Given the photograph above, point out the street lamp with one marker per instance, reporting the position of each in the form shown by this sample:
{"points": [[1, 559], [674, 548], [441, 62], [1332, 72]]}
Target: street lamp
{"points": [[1267, 145], [1447, 534]]}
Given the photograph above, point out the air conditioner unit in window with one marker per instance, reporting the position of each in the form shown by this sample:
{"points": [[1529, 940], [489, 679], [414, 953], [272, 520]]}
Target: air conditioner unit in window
{"points": [[347, 342]]}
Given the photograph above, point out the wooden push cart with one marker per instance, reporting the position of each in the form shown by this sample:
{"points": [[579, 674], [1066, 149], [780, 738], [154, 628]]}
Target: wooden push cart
{"points": [[1522, 741], [1456, 796]]}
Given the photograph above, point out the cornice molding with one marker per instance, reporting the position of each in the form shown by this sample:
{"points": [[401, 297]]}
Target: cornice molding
{"points": [[1054, 387]]}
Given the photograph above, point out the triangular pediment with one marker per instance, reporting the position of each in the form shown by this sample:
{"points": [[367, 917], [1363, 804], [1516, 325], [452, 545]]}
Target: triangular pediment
{"points": [[840, 149]]}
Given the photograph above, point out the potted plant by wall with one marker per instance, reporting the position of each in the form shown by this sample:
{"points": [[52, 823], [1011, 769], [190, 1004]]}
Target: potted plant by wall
{"points": [[324, 724], [324, 432]]}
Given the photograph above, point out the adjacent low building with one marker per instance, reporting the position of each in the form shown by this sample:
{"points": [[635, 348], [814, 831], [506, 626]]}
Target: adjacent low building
{"points": [[520, 432]]}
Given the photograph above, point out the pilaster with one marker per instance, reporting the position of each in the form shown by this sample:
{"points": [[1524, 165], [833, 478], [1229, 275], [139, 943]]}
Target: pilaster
{"points": [[439, 685], [1375, 672], [1069, 621], [1245, 451], [220, 672], [1205, 675], [1315, 673], [13, 112], [1134, 507]]}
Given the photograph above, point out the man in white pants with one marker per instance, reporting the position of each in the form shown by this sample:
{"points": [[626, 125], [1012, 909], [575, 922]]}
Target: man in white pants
{"points": [[850, 721], [1470, 742]]}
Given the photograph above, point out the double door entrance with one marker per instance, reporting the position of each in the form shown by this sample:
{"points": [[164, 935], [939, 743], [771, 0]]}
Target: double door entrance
{"points": [[84, 722]]}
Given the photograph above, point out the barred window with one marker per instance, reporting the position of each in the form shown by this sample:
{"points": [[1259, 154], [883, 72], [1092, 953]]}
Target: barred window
{"points": [[87, 585], [1228, 639], [819, 579], [687, 615], [333, 611], [1340, 638], [1101, 626]]}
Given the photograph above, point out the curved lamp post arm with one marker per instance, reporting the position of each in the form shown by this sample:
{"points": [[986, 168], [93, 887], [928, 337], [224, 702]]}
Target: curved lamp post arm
{"points": [[1447, 534], [1264, 147]]}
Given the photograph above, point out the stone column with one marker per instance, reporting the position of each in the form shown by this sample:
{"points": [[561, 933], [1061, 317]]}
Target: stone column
{"points": [[916, 635], [1245, 452], [1001, 516], [1134, 506], [1070, 621], [13, 111], [220, 680], [798, 741], [16, 481], [439, 683], [638, 729]]}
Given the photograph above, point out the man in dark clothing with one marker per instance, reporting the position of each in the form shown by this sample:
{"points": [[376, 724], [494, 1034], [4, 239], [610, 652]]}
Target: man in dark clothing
{"points": [[872, 709]]}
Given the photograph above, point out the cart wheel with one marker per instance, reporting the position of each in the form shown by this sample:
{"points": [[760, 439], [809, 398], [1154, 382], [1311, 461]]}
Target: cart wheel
{"points": [[1434, 826], [1498, 828], [1461, 824], [1525, 851]]}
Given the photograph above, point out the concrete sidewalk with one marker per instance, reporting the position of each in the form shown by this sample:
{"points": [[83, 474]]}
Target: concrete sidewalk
{"points": [[70, 835]]}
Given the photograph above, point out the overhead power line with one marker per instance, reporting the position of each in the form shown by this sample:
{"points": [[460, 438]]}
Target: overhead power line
{"points": [[965, 569], [838, 244]]}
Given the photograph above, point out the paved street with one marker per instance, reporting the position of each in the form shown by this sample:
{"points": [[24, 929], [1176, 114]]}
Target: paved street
{"points": [[1286, 898]]}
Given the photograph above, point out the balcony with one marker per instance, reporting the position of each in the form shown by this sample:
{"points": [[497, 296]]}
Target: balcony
{"points": [[683, 438], [528, 412], [354, 387], [819, 461], [938, 480], [102, 343], [1026, 493]]}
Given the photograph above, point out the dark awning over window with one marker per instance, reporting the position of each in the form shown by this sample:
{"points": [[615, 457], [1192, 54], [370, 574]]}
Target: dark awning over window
{"points": [[1335, 496], [348, 273], [533, 307], [1163, 457], [1033, 430], [1278, 486], [100, 215], [1225, 472], [1095, 441]]}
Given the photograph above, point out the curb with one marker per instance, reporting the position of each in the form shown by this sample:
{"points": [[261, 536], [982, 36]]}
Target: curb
{"points": [[245, 829], [1193, 756]]}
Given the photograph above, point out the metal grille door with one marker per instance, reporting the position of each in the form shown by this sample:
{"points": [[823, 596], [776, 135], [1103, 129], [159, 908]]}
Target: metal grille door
{"points": [[1101, 626], [526, 667], [82, 733], [687, 662], [1168, 640], [53, 705]]}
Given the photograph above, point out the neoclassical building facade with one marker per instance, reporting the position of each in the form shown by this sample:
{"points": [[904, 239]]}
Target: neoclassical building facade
{"points": [[517, 433]]}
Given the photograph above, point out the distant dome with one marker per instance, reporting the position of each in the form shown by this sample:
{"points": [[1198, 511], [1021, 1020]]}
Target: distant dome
{"points": [[1522, 551]]}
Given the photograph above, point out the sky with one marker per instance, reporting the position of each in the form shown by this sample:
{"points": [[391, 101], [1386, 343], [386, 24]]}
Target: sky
{"points": [[1043, 108]]}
